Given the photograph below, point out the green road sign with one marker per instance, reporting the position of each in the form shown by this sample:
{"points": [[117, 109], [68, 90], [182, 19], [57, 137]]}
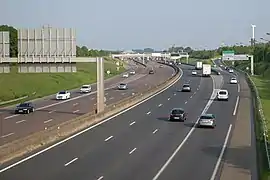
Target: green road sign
{"points": [[227, 52]]}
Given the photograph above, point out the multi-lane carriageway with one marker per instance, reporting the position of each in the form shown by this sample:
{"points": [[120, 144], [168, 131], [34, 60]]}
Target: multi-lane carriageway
{"points": [[50, 112], [141, 144]]}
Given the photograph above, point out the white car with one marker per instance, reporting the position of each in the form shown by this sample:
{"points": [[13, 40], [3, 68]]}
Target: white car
{"points": [[230, 70], [122, 86], [194, 72], [233, 81], [86, 89], [132, 72], [125, 75], [207, 120], [223, 95], [62, 95]]}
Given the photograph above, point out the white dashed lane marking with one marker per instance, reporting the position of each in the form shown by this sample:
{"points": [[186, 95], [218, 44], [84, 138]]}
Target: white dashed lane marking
{"points": [[159, 105], [155, 131], [72, 161], [7, 135], [148, 113], [45, 122], [132, 123], [21, 121], [132, 150], [107, 139]]}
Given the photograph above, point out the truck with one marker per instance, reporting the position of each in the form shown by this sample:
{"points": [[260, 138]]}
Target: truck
{"points": [[198, 65], [206, 68]]}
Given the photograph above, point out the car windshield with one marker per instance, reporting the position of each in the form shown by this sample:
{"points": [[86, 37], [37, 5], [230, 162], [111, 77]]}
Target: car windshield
{"points": [[222, 92], [122, 84], [177, 111], [84, 87], [62, 92], [233, 79], [186, 85], [207, 117]]}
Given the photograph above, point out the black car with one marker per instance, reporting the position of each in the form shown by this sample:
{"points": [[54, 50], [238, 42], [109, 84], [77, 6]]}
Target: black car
{"points": [[25, 108], [178, 114], [151, 71]]}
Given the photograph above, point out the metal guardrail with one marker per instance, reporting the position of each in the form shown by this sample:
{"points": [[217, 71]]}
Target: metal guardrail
{"points": [[259, 114]]}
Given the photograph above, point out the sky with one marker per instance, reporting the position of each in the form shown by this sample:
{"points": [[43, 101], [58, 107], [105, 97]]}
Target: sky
{"points": [[158, 24]]}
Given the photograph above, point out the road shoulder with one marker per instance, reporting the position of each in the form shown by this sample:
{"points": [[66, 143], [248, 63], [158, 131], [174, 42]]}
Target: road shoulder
{"points": [[240, 158]]}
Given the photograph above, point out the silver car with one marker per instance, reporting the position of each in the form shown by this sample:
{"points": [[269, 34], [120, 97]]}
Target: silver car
{"points": [[207, 120], [122, 86], [186, 88]]}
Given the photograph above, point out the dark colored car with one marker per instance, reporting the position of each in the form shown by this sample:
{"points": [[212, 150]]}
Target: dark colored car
{"points": [[25, 108], [178, 114], [151, 71]]}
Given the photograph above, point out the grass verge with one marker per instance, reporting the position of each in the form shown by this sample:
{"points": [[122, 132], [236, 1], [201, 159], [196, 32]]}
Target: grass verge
{"points": [[15, 85], [204, 61], [262, 84]]}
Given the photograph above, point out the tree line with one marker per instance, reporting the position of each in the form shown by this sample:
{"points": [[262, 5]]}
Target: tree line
{"points": [[80, 51]]}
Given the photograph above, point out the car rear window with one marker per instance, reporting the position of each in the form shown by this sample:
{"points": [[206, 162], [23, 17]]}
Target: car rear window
{"points": [[177, 111], [85, 86], [186, 85], [206, 117], [62, 92], [222, 92], [233, 78], [122, 84]]}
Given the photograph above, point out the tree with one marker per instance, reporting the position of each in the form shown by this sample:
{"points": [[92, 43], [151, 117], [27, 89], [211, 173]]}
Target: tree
{"points": [[13, 37]]}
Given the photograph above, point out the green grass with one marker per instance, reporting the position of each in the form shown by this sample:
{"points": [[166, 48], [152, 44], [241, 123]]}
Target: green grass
{"points": [[35, 85], [263, 85], [204, 61]]}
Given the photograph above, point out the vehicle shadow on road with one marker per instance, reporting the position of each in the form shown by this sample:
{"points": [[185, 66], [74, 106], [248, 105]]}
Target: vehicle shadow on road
{"points": [[163, 118], [234, 157], [190, 124]]}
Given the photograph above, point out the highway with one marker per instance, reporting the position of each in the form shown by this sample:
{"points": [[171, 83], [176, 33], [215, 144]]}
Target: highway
{"points": [[142, 143], [137, 143], [50, 112]]}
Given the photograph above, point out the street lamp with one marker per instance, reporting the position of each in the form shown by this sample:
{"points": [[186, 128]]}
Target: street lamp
{"points": [[253, 35]]}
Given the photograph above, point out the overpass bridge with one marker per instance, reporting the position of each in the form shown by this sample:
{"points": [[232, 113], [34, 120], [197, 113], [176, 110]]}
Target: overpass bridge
{"points": [[171, 56]]}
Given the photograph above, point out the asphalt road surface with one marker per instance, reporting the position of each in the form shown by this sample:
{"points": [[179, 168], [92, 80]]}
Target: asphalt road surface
{"points": [[50, 112], [141, 143]]}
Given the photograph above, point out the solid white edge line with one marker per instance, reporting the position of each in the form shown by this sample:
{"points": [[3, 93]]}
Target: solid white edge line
{"points": [[107, 139], [221, 153], [73, 160], [207, 106], [89, 128], [236, 106], [238, 87]]}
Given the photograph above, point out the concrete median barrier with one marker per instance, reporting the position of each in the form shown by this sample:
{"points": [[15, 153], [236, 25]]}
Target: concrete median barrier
{"points": [[64, 130]]}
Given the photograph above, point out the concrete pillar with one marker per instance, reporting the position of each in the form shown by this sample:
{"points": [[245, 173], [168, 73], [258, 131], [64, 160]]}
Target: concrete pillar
{"points": [[100, 85]]}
